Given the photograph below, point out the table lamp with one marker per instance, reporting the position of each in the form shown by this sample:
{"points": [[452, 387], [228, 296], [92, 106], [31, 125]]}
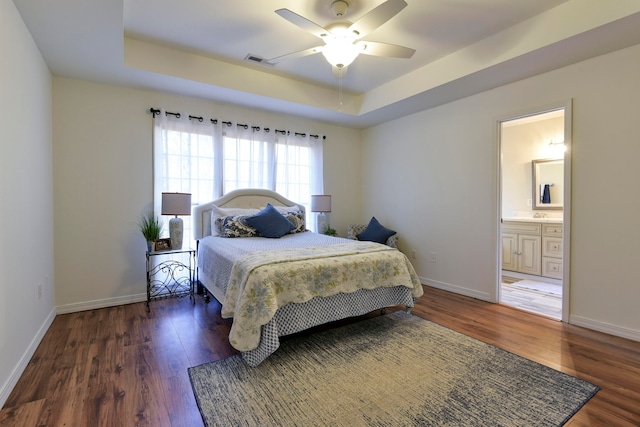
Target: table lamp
{"points": [[176, 204], [321, 204]]}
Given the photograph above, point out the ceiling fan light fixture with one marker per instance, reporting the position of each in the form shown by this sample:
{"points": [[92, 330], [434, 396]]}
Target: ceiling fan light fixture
{"points": [[342, 38], [341, 54]]}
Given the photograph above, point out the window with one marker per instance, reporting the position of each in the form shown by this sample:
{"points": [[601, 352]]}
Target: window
{"points": [[294, 172], [209, 160]]}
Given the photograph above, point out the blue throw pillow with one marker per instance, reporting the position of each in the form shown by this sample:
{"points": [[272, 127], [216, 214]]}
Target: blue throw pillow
{"points": [[270, 223], [375, 232]]}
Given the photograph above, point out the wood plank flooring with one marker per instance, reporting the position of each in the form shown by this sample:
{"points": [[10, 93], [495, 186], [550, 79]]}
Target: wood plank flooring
{"points": [[122, 366]]}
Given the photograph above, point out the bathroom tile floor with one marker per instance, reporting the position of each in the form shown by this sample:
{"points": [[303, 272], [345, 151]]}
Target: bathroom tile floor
{"points": [[536, 297]]}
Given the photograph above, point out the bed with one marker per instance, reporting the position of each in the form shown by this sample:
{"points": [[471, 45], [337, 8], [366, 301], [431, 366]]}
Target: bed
{"points": [[293, 280]]}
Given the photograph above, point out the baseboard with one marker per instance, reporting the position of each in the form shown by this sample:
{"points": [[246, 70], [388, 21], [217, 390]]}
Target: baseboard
{"points": [[484, 296], [607, 328], [100, 303], [11, 382], [584, 322]]}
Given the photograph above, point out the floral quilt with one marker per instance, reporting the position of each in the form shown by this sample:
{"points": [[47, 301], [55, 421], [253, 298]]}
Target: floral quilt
{"points": [[264, 281]]}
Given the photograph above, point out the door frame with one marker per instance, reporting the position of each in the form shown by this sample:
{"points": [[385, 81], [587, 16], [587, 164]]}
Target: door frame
{"points": [[566, 212]]}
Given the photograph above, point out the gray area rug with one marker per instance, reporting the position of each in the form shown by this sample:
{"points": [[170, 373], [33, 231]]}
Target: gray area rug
{"points": [[393, 370]]}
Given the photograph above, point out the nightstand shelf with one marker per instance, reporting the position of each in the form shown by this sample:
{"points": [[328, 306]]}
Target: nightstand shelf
{"points": [[169, 277]]}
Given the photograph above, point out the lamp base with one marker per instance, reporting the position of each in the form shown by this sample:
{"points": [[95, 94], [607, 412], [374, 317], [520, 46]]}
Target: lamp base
{"points": [[175, 232], [321, 222]]}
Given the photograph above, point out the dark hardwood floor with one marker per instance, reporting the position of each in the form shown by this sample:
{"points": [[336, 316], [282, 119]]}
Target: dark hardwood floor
{"points": [[122, 366]]}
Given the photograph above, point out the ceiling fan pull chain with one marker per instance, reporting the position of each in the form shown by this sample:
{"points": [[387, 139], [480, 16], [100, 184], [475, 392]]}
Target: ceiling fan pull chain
{"points": [[340, 89]]}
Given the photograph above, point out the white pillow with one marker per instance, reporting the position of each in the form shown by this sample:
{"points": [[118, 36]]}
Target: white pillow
{"points": [[217, 212], [286, 209]]}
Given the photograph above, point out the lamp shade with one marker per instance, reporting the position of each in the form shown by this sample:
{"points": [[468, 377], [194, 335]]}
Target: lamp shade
{"points": [[321, 203], [176, 203]]}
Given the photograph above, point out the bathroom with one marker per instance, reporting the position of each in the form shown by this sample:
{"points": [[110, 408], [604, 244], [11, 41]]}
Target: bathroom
{"points": [[532, 214]]}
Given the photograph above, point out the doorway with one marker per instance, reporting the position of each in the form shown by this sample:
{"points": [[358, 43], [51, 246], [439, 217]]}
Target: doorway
{"points": [[535, 161]]}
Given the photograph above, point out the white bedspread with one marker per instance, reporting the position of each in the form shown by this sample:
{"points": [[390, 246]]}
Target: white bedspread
{"points": [[217, 255], [266, 274]]}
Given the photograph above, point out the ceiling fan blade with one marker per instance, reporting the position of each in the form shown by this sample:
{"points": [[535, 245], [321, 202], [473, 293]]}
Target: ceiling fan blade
{"points": [[377, 16], [302, 22], [298, 54], [339, 73], [385, 49]]}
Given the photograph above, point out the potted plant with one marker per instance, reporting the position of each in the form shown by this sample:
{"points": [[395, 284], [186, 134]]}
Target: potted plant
{"points": [[151, 228], [330, 231]]}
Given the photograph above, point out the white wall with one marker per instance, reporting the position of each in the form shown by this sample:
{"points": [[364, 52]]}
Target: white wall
{"points": [[442, 193], [26, 198], [103, 183], [520, 145]]}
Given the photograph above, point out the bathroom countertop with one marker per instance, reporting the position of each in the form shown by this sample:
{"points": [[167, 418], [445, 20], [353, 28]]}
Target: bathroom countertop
{"points": [[531, 219]]}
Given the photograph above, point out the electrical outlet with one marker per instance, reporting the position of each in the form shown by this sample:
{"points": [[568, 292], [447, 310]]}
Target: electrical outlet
{"points": [[414, 255], [433, 257]]}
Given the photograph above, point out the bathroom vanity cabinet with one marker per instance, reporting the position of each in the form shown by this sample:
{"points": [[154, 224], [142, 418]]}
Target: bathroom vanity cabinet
{"points": [[521, 247], [532, 247], [552, 250]]}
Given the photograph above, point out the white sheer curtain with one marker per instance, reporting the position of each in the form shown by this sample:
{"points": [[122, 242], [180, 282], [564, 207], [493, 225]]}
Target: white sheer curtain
{"points": [[209, 159], [187, 157], [299, 173], [249, 158]]}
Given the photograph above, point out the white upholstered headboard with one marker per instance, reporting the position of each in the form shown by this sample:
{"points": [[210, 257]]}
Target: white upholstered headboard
{"points": [[248, 198]]}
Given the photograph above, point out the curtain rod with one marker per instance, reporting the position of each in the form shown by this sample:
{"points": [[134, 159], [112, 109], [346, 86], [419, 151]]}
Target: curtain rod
{"points": [[155, 112]]}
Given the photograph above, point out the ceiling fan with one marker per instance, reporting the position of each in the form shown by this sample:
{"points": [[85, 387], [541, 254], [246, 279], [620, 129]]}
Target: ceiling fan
{"points": [[343, 39]]}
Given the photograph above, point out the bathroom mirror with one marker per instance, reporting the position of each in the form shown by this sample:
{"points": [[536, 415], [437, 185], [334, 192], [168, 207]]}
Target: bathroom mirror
{"points": [[548, 184]]}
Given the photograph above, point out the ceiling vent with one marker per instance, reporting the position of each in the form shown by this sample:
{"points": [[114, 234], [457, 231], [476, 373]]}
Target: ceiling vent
{"points": [[258, 60]]}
